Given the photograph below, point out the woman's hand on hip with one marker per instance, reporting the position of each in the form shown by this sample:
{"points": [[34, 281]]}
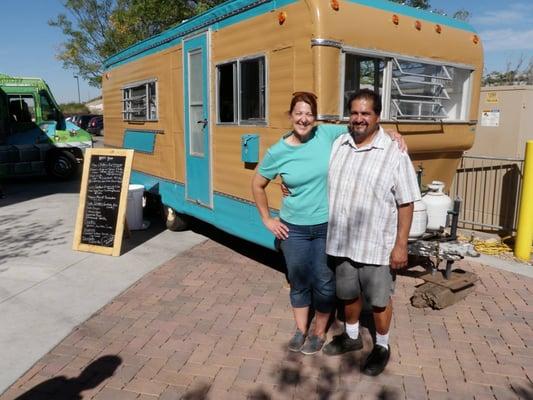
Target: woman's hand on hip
{"points": [[275, 226]]}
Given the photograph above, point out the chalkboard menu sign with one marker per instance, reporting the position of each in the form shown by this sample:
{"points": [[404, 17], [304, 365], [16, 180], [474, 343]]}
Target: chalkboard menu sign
{"points": [[103, 197]]}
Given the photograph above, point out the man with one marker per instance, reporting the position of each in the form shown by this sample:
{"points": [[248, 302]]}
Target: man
{"points": [[372, 187]]}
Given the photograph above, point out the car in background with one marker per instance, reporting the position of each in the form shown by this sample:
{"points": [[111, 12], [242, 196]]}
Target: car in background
{"points": [[96, 125], [82, 120]]}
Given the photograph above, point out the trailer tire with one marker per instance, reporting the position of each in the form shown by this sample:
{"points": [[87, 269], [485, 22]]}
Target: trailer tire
{"points": [[62, 165], [175, 221]]}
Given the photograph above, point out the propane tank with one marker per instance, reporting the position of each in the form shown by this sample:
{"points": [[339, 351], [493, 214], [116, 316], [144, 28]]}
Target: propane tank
{"points": [[437, 204], [420, 221]]}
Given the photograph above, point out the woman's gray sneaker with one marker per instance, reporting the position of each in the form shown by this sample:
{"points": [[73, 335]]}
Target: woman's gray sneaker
{"points": [[297, 341], [313, 344], [341, 344]]}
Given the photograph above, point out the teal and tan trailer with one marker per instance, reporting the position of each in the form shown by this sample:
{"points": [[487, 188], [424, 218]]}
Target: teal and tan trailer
{"points": [[202, 101]]}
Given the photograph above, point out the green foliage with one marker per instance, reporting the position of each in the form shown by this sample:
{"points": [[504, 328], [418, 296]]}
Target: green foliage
{"points": [[73, 108], [423, 4], [516, 74], [97, 29], [461, 14]]}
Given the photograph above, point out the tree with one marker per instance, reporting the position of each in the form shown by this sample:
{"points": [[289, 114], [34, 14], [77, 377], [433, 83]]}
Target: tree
{"points": [[461, 14], [423, 4], [514, 74], [97, 29], [74, 108]]}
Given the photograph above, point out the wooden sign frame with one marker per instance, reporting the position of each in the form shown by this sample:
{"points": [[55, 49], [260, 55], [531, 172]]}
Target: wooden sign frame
{"points": [[123, 199]]}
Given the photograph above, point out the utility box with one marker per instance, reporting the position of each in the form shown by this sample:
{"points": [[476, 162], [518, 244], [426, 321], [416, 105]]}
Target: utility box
{"points": [[505, 121], [250, 148]]}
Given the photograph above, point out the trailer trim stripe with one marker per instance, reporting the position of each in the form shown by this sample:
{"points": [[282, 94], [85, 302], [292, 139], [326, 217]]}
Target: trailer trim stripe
{"points": [[235, 216], [231, 13]]}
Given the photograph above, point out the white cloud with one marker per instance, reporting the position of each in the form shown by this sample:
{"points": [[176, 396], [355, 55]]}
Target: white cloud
{"points": [[507, 39], [513, 14]]}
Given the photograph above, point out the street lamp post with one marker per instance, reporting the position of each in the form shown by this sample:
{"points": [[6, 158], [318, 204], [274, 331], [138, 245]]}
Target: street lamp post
{"points": [[78, 81]]}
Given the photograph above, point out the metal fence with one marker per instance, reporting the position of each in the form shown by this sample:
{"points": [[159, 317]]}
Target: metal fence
{"points": [[490, 188]]}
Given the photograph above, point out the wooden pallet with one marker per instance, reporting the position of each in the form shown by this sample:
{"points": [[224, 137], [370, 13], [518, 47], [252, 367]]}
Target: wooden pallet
{"points": [[438, 292]]}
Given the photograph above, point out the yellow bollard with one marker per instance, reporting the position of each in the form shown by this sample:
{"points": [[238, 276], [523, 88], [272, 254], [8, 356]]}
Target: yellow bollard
{"points": [[524, 232]]}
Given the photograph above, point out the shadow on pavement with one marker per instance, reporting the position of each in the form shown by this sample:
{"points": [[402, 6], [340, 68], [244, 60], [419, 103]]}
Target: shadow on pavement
{"points": [[29, 188], [270, 258], [63, 388], [138, 237], [200, 393], [525, 393], [20, 238], [294, 378]]}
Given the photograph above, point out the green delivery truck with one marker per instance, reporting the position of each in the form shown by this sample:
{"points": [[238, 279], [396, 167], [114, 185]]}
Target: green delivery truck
{"points": [[35, 138]]}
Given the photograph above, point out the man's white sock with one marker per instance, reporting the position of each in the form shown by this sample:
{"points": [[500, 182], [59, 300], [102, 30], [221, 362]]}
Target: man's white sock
{"points": [[382, 340], [352, 330]]}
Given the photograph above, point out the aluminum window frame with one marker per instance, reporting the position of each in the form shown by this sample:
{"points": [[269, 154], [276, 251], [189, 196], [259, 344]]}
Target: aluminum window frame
{"points": [[133, 85], [387, 85], [237, 91], [192, 122], [234, 64]]}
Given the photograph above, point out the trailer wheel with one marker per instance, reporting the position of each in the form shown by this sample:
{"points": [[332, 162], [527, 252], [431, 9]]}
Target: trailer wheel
{"points": [[175, 221], [62, 165]]}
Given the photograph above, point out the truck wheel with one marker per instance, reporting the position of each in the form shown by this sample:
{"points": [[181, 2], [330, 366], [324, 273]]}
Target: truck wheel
{"points": [[175, 221], [62, 165]]}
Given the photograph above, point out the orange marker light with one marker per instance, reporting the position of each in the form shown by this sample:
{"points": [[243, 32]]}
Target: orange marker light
{"points": [[438, 28], [335, 4], [395, 19], [475, 39], [418, 25], [282, 16], [107, 75]]}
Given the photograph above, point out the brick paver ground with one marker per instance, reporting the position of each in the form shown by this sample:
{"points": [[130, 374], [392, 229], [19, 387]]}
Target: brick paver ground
{"points": [[213, 324]]}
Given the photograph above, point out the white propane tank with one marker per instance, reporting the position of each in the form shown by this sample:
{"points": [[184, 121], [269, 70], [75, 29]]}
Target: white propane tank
{"points": [[420, 221], [437, 204]]}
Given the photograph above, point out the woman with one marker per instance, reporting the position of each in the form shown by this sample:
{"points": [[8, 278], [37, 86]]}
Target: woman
{"points": [[301, 159]]}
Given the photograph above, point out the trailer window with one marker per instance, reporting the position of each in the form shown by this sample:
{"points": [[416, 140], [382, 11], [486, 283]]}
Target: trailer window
{"points": [[227, 101], [410, 89], [242, 91], [362, 73], [252, 74], [140, 102], [427, 91]]}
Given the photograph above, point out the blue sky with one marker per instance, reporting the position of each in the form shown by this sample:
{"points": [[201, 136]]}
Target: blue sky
{"points": [[29, 45], [505, 27]]}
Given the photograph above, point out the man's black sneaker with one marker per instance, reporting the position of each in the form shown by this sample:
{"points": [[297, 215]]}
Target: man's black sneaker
{"points": [[377, 360], [341, 344], [297, 341]]}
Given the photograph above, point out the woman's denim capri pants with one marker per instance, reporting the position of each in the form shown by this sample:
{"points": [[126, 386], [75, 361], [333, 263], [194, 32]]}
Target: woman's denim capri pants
{"points": [[312, 281]]}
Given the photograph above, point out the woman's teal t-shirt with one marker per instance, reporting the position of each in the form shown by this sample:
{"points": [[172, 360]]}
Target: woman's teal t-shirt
{"points": [[304, 170]]}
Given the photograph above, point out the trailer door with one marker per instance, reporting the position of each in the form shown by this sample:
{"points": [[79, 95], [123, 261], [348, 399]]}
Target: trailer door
{"points": [[197, 141]]}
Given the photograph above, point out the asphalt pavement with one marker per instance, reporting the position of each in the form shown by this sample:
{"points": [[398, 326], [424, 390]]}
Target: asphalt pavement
{"points": [[46, 288]]}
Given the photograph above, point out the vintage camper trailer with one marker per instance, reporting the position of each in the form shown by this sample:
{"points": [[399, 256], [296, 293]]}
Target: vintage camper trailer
{"points": [[202, 101]]}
